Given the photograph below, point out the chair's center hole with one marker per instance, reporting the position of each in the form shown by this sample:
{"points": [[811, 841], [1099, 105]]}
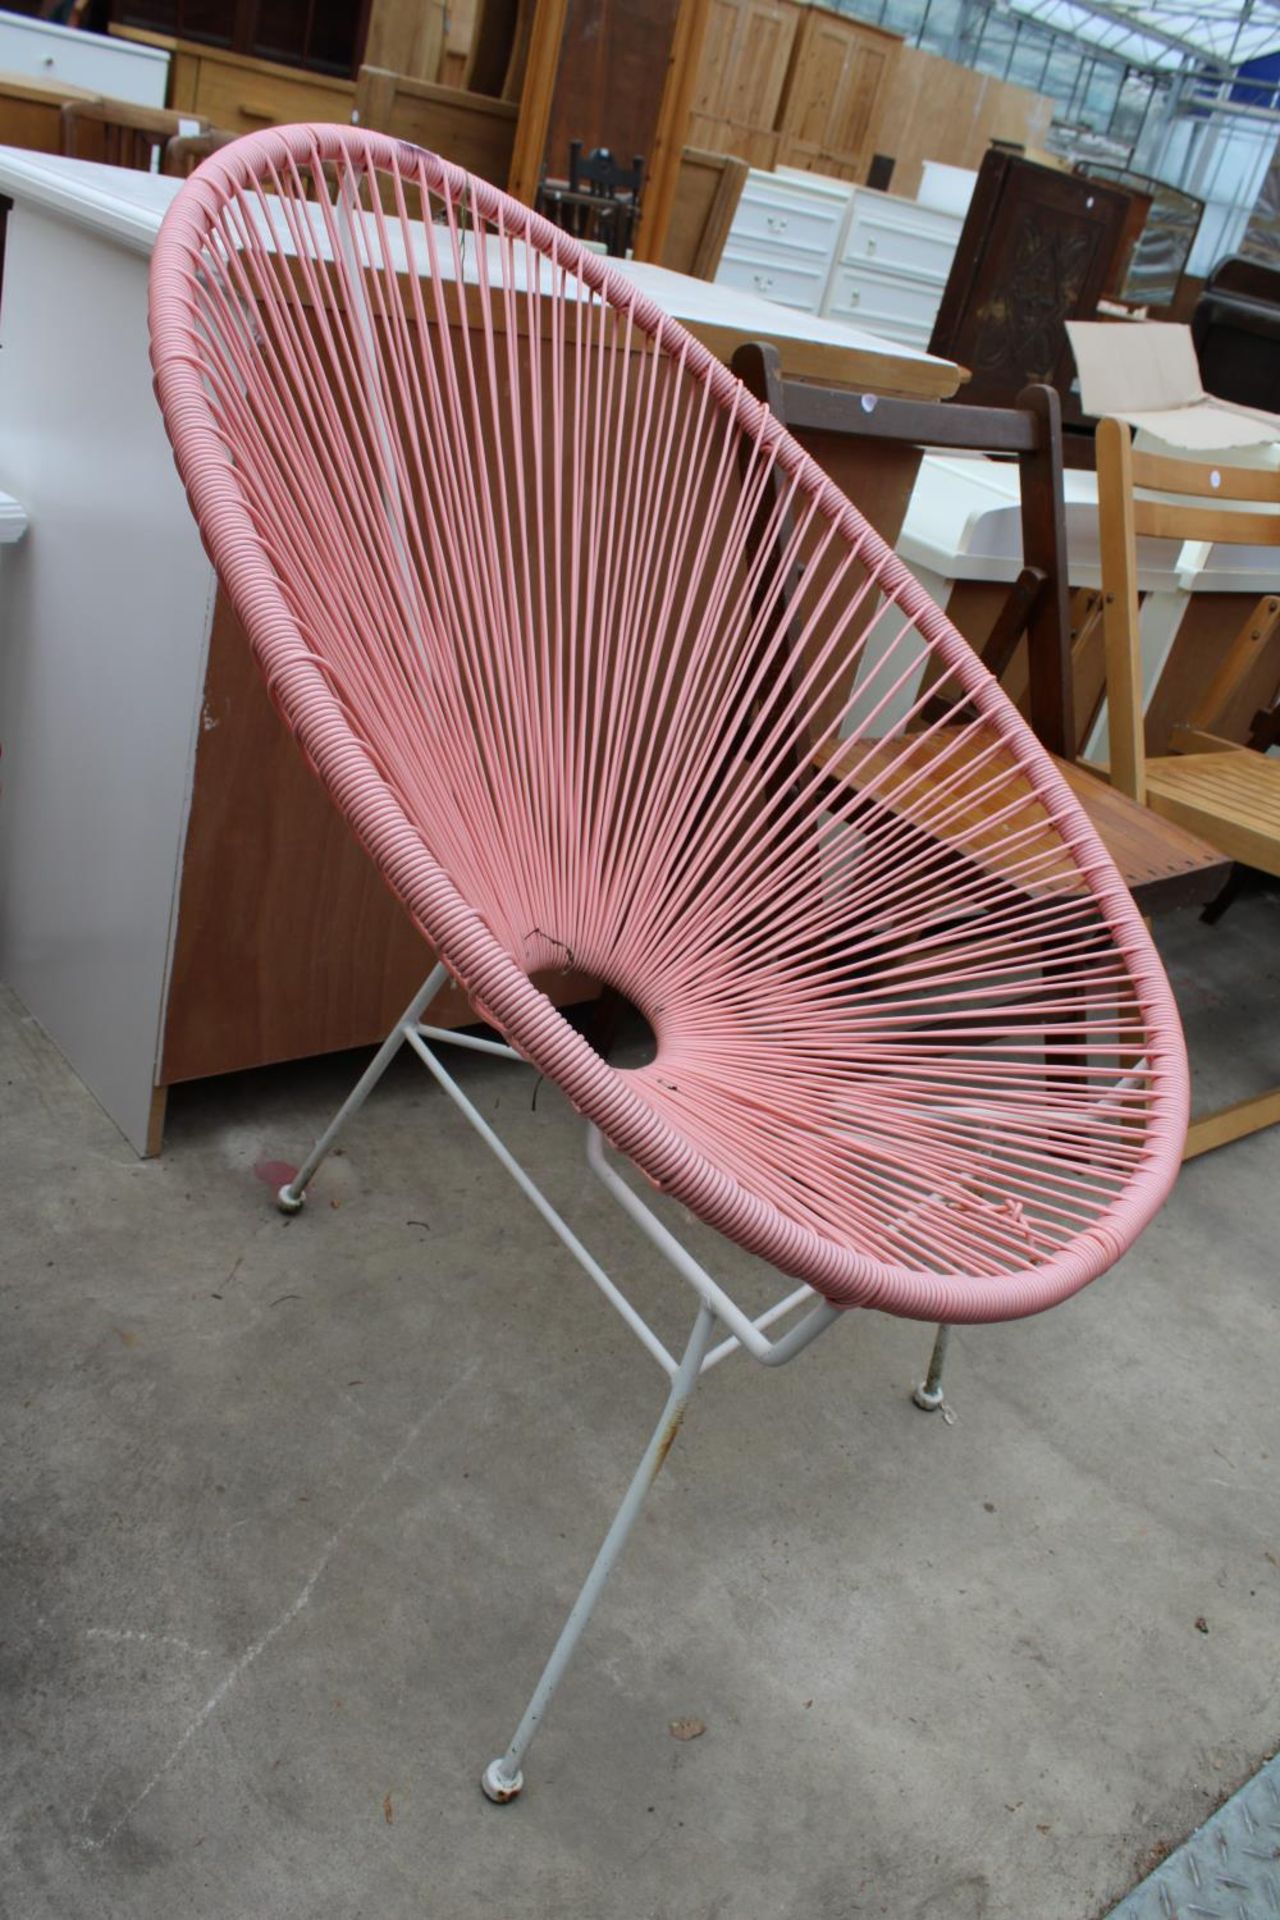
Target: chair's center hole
{"points": [[618, 1031]]}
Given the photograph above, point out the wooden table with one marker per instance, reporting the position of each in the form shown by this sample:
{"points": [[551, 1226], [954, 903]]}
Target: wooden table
{"points": [[178, 897]]}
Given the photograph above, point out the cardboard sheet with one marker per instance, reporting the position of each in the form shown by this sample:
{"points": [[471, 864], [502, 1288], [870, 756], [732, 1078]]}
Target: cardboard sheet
{"points": [[1147, 374]]}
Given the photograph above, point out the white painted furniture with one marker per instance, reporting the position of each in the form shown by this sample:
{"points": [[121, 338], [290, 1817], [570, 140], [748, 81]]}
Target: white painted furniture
{"points": [[107, 609], [118, 69], [786, 233], [950, 189], [892, 266], [826, 247]]}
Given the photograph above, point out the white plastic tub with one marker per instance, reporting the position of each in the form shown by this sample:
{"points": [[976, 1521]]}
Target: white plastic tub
{"points": [[947, 189]]}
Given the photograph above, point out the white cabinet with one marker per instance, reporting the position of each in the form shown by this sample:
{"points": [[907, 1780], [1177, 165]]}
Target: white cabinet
{"points": [[890, 304], [823, 246], [120, 69], [786, 232], [892, 267]]}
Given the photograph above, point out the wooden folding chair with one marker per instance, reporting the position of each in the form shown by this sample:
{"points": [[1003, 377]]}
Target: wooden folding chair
{"points": [[1226, 792]]}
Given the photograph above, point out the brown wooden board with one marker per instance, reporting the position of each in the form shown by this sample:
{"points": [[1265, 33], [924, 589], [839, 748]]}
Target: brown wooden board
{"points": [[613, 65], [1202, 639], [671, 132], [493, 35], [470, 129], [936, 110], [408, 36], [708, 189], [537, 95]]}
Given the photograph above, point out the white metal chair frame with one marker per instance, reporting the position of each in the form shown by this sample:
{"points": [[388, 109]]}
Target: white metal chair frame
{"points": [[503, 1778]]}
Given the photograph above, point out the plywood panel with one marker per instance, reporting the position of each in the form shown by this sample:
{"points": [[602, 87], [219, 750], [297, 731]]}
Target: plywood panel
{"points": [[408, 36], [470, 129], [936, 110]]}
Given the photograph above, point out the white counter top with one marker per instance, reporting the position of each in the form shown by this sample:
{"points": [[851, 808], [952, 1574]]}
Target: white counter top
{"points": [[963, 523], [128, 207]]}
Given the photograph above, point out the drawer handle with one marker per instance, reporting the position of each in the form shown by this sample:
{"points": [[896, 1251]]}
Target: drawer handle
{"points": [[854, 298], [776, 222], [762, 280], [871, 246]]}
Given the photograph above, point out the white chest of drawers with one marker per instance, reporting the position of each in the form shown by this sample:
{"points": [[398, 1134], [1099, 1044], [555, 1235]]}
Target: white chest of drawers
{"points": [[120, 69], [786, 234], [892, 266], [824, 246]]}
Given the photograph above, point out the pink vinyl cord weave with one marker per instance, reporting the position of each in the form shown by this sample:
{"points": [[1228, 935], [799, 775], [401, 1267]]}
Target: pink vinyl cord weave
{"points": [[605, 672]]}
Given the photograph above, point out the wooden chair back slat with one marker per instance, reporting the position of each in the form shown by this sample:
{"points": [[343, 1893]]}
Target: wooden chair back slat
{"points": [[1165, 474]]}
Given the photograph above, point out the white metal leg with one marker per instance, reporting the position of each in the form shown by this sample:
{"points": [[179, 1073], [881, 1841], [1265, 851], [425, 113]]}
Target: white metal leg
{"points": [[502, 1779], [291, 1195], [928, 1394]]}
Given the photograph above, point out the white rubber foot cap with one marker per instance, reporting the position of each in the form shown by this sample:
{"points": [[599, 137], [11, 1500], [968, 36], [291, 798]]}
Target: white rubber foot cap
{"points": [[288, 1201], [497, 1786], [929, 1399]]}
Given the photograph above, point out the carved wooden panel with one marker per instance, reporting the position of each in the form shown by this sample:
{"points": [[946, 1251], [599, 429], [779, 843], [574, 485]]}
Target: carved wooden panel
{"points": [[1036, 250]]}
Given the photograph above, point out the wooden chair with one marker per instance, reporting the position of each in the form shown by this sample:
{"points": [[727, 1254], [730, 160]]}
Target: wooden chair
{"points": [[1226, 792], [121, 134], [599, 202], [708, 188], [186, 150]]}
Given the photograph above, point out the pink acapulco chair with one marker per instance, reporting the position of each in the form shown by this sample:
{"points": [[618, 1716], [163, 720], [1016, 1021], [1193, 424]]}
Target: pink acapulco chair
{"points": [[604, 671]]}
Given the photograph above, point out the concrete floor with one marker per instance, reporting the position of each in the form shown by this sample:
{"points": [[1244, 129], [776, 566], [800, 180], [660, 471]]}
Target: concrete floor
{"points": [[295, 1509]]}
